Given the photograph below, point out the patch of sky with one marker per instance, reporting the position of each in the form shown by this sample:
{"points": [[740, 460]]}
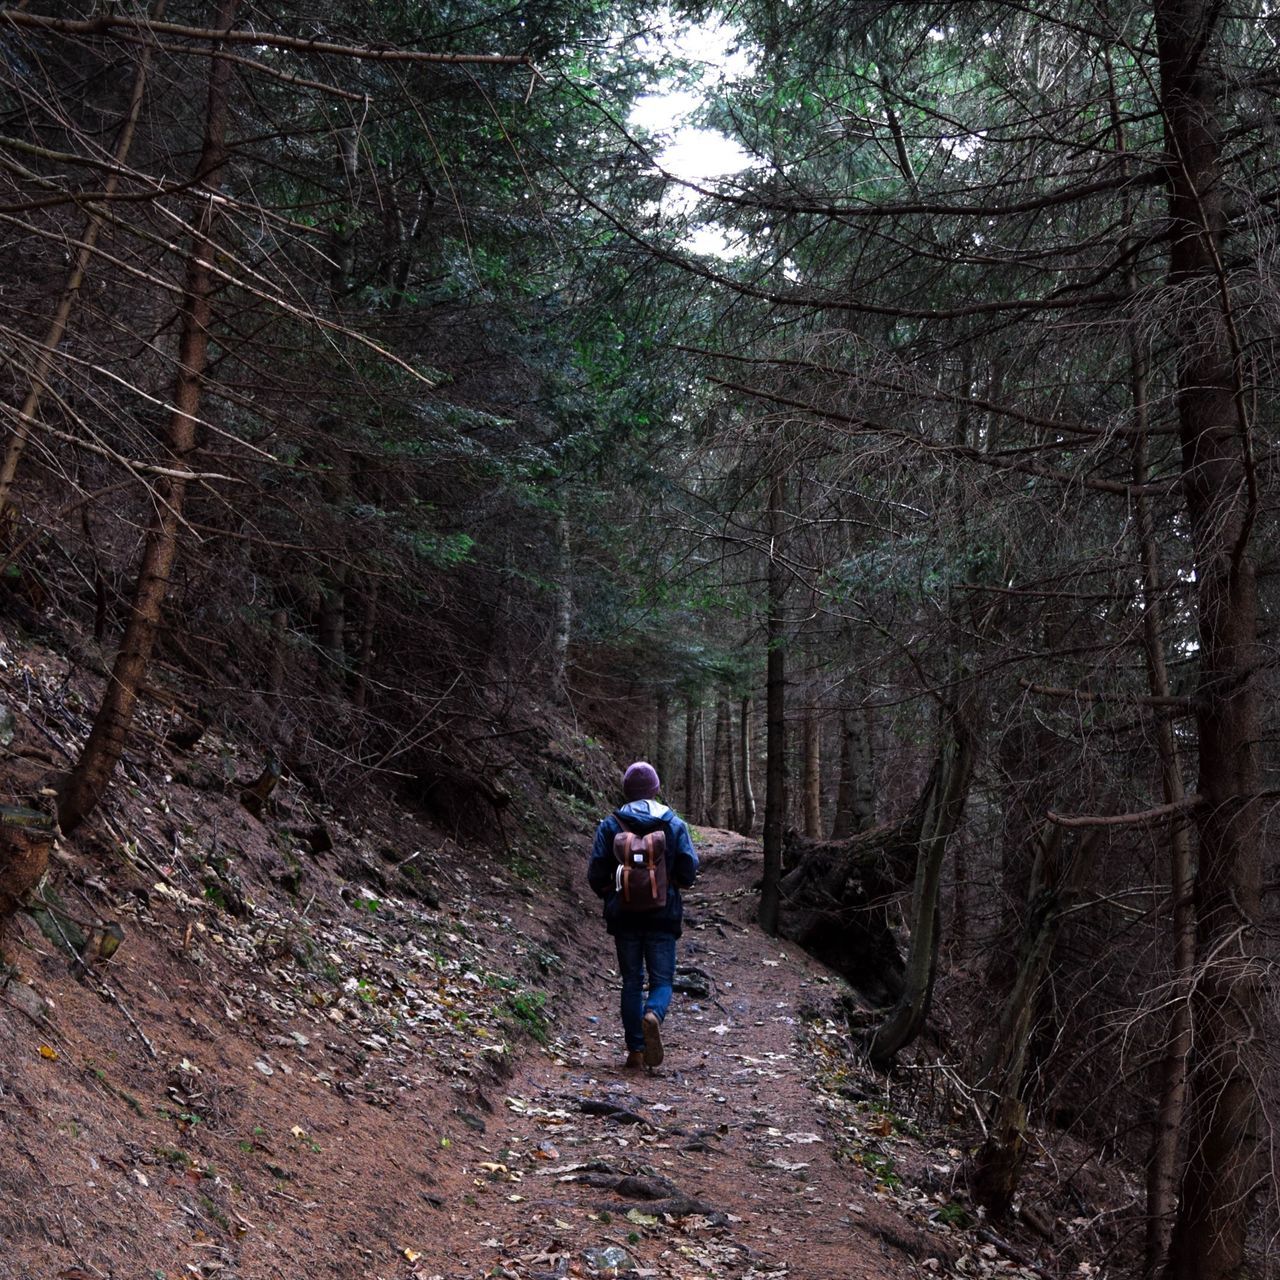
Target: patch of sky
{"points": [[694, 59]]}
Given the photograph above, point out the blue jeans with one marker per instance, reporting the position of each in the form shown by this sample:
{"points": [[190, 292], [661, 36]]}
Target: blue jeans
{"points": [[655, 952]]}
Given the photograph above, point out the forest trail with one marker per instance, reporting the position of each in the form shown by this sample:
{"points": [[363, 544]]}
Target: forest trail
{"points": [[728, 1136]]}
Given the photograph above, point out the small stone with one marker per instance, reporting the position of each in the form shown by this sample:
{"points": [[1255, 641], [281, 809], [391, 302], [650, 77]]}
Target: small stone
{"points": [[610, 1258]]}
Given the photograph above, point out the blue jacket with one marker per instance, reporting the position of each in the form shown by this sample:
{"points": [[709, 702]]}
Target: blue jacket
{"points": [[682, 869]]}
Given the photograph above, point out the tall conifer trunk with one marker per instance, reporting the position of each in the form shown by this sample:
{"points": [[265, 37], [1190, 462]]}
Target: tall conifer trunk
{"points": [[719, 754], [1170, 1106], [1224, 1153], [843, 824], [775, 797], [732, 818], [102, 752], [563, 612], [692, 717], [747, 817], [812, 787], [855, 794]]}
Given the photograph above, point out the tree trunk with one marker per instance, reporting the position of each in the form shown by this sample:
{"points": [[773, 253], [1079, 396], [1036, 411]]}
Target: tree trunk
{"points": [[719, 748], [855, 794], [747, 813], [343, 236], [102, 752], [775, 794], [812, 784], [333, 622], [864, 773], [75, 278], [960, 903], [692, 715], [564, 613], [402, 241], [1224, 1168], [1055, 885], [731, 766], [1170, 1107], [1171, 1095], [702, 765], [843, 823], [944, 807]]}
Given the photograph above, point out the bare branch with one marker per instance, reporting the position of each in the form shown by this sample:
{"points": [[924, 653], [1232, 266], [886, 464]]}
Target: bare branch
{"points": [[1172, 701], [105, 23], [1145, 818]]}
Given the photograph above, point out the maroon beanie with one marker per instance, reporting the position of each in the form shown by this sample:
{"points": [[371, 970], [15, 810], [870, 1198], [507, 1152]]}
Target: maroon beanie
{"points": [[640, 782]]}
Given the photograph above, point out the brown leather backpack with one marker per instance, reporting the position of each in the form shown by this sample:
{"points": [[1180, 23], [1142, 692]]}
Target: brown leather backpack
{"points": [[641, 878]]}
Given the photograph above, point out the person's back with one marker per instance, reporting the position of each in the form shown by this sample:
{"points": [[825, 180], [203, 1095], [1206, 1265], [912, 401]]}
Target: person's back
{"points": [[644, 934]]}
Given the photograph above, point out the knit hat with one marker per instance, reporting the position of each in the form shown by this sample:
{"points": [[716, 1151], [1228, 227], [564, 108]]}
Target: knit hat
{"points": [[640, 782]]}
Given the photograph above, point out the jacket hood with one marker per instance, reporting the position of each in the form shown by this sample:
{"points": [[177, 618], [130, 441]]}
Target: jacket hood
{"points": [[646, 810]]}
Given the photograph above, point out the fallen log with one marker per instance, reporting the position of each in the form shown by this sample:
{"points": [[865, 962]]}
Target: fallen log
{"points": [[840, 902], [848, 901]]}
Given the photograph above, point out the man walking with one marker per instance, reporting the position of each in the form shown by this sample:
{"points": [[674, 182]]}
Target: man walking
{"points": [[641, 859]]}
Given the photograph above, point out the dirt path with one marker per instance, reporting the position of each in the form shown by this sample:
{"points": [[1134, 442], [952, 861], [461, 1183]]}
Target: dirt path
{"points": [[722, 1162]]}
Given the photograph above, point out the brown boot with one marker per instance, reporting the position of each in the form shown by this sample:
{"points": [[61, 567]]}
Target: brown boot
{"points": [[652, 1056], [635, 1060]]}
